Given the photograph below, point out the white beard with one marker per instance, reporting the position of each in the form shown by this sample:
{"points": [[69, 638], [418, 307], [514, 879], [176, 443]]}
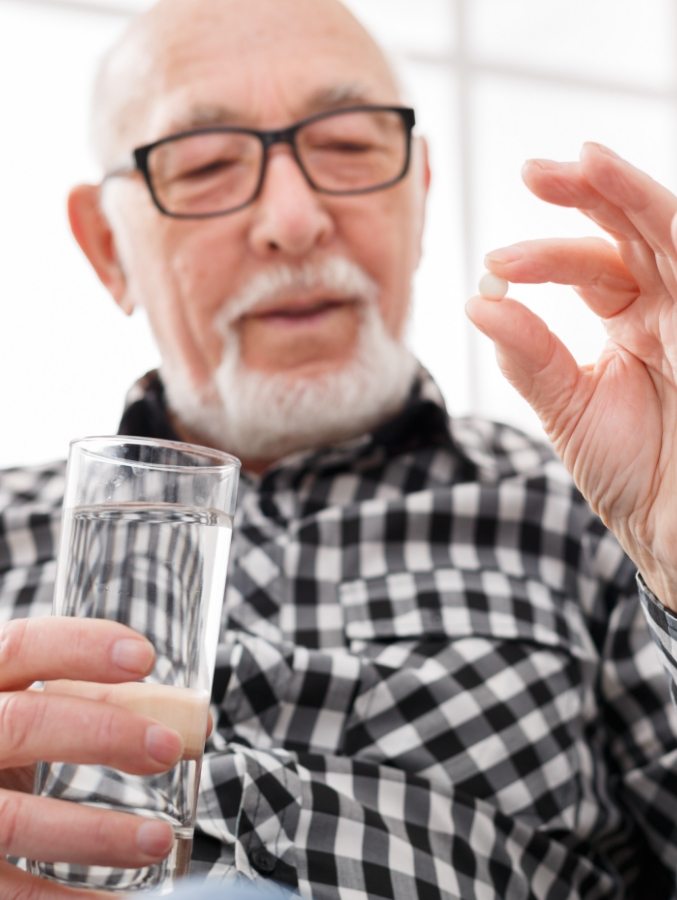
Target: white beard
{"points": [[263, 416]]}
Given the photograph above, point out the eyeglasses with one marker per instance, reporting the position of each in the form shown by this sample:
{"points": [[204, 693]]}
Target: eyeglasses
{"points": [[218, 170]]}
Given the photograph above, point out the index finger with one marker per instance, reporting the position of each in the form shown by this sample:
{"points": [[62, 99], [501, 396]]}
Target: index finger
{"points": [[51, 647]]}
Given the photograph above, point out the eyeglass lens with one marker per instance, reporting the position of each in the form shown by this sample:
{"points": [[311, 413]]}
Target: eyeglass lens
{"points": [[216, 171]]}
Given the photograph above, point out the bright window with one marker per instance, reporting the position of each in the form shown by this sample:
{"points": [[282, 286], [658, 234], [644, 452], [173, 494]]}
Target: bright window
{"points": [[493, 82]]}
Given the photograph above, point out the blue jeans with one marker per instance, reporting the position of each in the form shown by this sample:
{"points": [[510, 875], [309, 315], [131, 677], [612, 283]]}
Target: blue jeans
{"points": [[238, 889]]}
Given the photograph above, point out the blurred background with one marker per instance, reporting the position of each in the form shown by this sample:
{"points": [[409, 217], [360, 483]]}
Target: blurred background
{"points": [[494, 82]]}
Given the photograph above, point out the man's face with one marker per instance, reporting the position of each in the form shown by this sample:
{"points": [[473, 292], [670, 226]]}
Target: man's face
{"points": [[264, 65]]}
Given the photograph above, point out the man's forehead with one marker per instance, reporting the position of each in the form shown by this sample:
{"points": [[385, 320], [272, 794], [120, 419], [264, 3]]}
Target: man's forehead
{"points": [[259, 62], [184, 114]]}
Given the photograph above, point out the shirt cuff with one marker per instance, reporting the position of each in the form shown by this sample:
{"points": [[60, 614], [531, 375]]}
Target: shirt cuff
{"points": [[663, 627]]}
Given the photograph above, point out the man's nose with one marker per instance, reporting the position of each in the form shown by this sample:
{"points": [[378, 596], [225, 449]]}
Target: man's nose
{"points": [[290, 218]]}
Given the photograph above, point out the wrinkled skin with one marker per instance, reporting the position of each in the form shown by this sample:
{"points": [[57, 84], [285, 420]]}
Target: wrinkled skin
{"points": [[40, 725], [613, 423]]}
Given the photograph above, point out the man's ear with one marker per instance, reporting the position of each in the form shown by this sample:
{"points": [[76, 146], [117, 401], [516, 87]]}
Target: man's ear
{"points": [[421, 166], [93, 232]]}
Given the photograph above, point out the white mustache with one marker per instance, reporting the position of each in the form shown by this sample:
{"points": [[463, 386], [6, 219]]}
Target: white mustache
{"points": [[335, 276]]}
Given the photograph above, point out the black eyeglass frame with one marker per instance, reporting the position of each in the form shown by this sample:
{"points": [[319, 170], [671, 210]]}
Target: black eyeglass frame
{"points": [[267, 137]]}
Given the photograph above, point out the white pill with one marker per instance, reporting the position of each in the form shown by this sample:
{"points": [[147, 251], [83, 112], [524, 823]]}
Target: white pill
{"points": [[492, 287]]}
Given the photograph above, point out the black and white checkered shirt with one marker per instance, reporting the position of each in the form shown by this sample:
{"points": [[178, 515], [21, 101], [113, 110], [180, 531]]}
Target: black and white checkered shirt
{"points": [[436, 680]]}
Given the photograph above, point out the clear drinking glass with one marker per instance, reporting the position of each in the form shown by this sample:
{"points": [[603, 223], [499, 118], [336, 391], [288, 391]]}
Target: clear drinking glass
{"points": [[145, 540]]}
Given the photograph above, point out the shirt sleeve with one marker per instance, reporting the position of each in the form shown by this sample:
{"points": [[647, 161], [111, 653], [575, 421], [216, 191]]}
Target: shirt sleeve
{"points": [[637, 733], [663, 627]]}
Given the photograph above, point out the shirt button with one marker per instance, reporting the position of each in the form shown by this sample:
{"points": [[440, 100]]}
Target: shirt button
{"points": [[263, 861]]}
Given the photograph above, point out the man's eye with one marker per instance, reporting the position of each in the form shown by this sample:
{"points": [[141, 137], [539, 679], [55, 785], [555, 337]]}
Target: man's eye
{"points": [[348, 147], [215, 167], [342, 145]]}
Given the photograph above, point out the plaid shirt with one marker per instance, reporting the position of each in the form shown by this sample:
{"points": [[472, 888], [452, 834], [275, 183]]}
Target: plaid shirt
{"points": [[436, 680]]}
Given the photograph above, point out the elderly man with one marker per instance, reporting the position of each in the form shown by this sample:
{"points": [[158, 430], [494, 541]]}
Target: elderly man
{"points": [[436, 680]]}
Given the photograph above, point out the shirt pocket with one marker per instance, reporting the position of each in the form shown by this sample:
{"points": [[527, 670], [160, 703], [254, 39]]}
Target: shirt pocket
{"points": [[477, 680]]}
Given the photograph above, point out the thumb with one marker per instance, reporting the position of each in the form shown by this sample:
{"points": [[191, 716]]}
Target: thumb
{"points": [[531, 357]]}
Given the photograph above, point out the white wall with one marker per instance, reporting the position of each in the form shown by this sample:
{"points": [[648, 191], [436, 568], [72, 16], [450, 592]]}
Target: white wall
{"points": [[493, 82], [66, 353]]}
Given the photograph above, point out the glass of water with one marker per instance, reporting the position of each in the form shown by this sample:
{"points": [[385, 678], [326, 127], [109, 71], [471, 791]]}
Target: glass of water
{"points": [[145, 539]]}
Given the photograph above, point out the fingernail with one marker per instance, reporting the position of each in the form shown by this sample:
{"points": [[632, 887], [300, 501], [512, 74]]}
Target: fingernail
{"points": [[504, 255], [155, 838], [163, 745], [601, 148], [132, 654], [539, 163]]}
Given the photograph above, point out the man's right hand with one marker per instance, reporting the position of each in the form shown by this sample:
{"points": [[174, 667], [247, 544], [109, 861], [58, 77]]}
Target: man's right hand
{"points": [[46, 725]]}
